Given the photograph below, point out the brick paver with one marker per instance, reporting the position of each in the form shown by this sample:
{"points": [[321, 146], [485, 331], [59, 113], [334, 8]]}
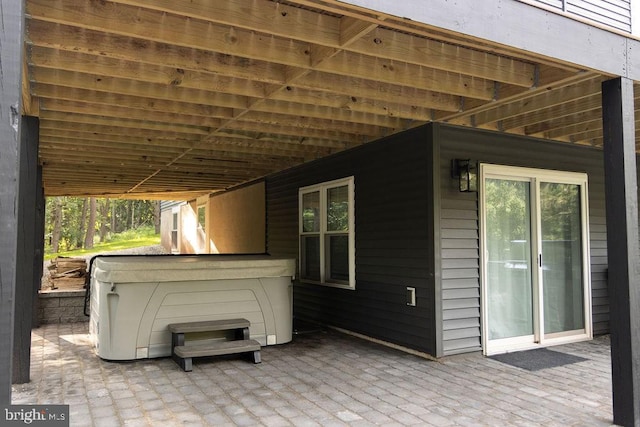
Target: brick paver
{"points": [[321, 379]]}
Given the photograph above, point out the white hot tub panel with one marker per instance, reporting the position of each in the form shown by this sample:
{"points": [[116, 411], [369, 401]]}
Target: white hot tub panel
{"points": [[129, 318]]}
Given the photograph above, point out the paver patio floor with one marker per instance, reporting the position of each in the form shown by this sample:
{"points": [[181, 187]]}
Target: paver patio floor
{"points": [[323, 378]]}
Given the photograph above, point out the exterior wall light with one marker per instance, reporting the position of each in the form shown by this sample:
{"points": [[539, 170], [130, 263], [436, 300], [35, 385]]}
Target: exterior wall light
{"points": [[466, 171]]}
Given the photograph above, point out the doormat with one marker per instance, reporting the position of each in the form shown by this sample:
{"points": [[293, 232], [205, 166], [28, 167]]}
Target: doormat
{"points": [[535, 360]]}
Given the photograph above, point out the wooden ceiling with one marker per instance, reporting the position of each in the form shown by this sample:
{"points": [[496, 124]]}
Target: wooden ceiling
{"points": [[173, 98]]}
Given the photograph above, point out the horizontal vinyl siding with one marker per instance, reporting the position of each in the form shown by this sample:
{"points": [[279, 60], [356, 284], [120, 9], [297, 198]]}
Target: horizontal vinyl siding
{"points": [[598, 246], [616, 14], [394, 247], [611, 13], [168, 204], [552, 3], [459, 224], [460, 272], [459, 263]]}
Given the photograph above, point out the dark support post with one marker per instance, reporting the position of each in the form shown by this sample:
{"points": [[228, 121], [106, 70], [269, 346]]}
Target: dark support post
{"points": [[38, 257], [623, 245], [28, 190], [11, 35]]}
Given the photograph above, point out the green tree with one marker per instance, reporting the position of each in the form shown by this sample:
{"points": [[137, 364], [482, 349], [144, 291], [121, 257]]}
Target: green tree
{"points": [[70, 222]]}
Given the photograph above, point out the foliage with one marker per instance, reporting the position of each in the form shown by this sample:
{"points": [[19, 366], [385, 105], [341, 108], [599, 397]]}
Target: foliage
{"points": [[559, 204], [508, 204], [66, 220], [508, 212], [142, 236]]}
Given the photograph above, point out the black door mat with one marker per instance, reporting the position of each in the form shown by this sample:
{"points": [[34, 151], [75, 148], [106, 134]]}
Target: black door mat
{"points": [[535, 360]]}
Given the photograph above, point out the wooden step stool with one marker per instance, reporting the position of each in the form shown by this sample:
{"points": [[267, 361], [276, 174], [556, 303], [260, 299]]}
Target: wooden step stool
{"points": [[182, 352]]}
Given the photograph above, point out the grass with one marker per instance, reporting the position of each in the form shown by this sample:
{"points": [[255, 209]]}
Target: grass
{"points": [[127, 240]]}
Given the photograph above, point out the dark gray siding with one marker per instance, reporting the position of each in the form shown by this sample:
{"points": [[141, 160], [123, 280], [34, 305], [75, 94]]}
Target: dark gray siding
{"points": [[459, 224], [393, 232], [612, 13]]}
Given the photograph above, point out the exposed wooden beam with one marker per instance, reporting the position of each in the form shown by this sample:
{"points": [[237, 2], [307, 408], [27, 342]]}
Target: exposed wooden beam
{"points": [[404, 74], [564, 120], [98, 43], [397, 23], [374, 90], [155, 74], [352, 34], [352, 29], [538, 99], [537, 119], [116, 130], [133, 132], [124, 124], [352, 103], [174, 82], [353, 87], [146, 163], [29, 102], [93, 113], [573, 129], [88, 139], [154, 25], [151, 105], [82, 81], [55, 106], [104, 83]]}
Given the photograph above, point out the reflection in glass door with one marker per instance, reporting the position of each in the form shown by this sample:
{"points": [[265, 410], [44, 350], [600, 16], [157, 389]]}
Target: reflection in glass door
{"points": [[508, 240], [561, 257], [535, 275]]}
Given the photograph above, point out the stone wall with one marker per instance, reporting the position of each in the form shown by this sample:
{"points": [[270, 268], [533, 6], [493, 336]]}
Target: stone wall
{"points": [[61, 307]]}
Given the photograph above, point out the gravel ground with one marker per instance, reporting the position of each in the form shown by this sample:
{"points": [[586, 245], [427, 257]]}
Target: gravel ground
{"points": [[142, 250]]}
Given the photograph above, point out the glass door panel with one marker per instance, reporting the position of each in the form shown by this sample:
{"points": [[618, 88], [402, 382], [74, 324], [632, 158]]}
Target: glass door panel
{"points": [[535, 258], [508, 248], [562, 270]]}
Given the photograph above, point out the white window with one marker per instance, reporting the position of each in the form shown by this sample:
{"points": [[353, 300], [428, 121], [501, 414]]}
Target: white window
{"points": [[174, 231], [327, 233], [202, 222]]}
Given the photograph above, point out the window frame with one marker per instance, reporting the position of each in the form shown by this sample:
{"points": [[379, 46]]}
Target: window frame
{"points": [[323, 233], [176, 213]]}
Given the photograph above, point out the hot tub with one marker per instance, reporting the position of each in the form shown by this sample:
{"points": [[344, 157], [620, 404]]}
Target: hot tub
{"points": [[134, 298]]}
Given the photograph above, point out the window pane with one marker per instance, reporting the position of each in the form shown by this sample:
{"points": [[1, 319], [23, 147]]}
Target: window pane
{"points": [[561, 224], [338, 208], [174, 239], [509, 269], [338, 257], [310, 253], [311, 212], [202, 214]]}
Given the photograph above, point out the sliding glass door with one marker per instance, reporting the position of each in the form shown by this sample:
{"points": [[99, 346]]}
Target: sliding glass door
{"points": [[535, 270]]}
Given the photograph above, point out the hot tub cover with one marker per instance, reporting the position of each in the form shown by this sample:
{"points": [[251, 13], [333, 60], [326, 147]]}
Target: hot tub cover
{"points": [[170, 268]]}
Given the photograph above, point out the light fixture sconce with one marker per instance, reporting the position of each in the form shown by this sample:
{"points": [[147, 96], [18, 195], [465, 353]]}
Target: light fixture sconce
{"points": [[466, 171]]}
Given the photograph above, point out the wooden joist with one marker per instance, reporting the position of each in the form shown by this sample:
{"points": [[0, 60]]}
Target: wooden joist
{"points": [[132, 89]]}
